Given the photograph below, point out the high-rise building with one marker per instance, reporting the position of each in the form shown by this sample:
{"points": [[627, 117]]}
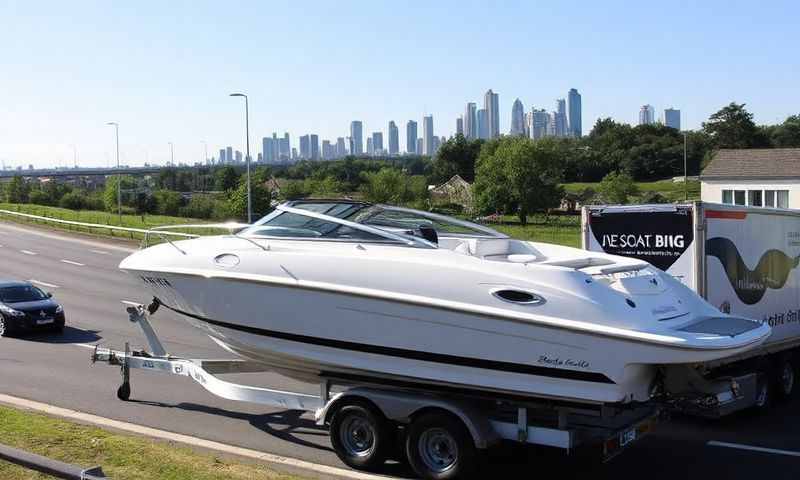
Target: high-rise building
{"points": [[314, 147], [411, 137], [328, 152], [471, 121], [285, 150], [560, 118], [356, 138], [575, 123], [370, 147], [419, 146], [491, 104], [538, 121], [238, 156], [647, 115], [517, 118], [482, 124], [672, 118], [341, 150], [436, 142], [427, 134], [377, 143], [266, 149], [229, 155], [460, 125], [305, 147], [222, 160], [294, 153], [394, 139]]}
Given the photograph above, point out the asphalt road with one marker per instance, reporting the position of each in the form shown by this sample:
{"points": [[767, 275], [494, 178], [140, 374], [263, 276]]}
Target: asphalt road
{"points": [[83, 276]]}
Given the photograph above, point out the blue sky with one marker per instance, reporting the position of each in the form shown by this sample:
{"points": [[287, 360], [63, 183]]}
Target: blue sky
{"points": [[163, 70]]}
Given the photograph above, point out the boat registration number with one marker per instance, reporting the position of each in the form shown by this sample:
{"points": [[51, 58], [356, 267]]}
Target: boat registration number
{"points": [[44, 321], [627, 437]]}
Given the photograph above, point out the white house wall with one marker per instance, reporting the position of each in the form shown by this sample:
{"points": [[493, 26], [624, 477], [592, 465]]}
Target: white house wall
{"points": [[711, 190]]}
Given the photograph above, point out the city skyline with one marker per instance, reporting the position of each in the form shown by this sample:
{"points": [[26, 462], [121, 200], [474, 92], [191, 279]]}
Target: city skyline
{"points": [[163, 72]]}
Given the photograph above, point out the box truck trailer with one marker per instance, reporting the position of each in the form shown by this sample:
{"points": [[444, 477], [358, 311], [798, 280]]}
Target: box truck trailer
{"points": [[743, 260]]}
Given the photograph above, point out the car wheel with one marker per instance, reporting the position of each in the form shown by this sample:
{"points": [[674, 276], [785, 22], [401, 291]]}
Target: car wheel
{"points": [[6, 328]]}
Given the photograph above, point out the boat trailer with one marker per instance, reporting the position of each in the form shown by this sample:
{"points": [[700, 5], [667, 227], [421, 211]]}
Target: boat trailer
{"points": [[440, 429]]}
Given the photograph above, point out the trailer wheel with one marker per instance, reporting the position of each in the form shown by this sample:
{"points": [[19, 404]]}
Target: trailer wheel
{"points": [[360, 435], [763, 392], [785, 377], [439, 447], [124, 392]]}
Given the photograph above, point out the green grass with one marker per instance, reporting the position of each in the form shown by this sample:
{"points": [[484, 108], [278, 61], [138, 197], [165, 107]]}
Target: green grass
{"points": [[123, 457], [97, 217], [672, 191], [559, 229]]}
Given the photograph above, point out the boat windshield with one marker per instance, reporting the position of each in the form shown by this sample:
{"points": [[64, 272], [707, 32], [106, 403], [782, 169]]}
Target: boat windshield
{"points": [[357, 221]]}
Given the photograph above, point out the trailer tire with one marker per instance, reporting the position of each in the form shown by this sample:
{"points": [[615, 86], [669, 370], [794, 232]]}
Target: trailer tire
{"points": [[439, 447], [124, 392], [360, 435], [763, 391], [785, 377]]}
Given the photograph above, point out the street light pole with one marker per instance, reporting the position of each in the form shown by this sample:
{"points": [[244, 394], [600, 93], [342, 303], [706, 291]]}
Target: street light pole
{"points": [[75, 156], [119, 178], [685, 174], [247, 153], [171, 154]]}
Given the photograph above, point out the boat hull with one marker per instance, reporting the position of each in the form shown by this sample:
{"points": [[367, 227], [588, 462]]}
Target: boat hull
{"points": [[308, 332]]}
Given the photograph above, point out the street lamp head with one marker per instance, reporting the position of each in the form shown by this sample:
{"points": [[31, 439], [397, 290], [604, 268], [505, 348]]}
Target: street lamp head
{"points": [[112, 123], [238, 95]]}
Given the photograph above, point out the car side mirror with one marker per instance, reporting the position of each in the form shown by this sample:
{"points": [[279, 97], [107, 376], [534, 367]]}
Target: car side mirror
{"points": [[49, 295]]}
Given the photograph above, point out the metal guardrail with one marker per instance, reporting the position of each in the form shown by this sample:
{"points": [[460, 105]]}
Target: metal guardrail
{"points": [[49, 466], [93, 225]]}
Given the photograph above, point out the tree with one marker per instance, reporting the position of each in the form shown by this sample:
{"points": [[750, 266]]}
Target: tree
{"points": [[226, 178], [456, 156], [17, 190], [733, 127], [516, 173], [167, 202], [260, 197], [128, 183], [73, 200], [617, 188], [787, 134], [387, 185], [326, 187]]}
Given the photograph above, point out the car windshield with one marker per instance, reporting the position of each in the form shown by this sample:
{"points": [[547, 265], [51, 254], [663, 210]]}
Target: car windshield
{"points": [[21, 293]]}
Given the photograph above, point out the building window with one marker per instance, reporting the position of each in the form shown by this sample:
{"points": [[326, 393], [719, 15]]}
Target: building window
{"points": [[727, 196], [783, 198], [769, 198], [754, 198], [739, 197]]}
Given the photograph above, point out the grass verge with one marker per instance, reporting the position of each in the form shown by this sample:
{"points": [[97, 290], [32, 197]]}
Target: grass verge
{"points": [[123, 457]]}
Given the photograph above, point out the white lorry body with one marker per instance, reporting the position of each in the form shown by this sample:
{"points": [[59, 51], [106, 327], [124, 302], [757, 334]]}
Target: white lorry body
{"points": [[743, 260]]}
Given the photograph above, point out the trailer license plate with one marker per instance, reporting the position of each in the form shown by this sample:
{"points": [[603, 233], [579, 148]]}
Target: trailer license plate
{"points": [[44, 321], [627, 437]]}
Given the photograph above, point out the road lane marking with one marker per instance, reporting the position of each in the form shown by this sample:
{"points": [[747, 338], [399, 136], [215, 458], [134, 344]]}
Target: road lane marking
{"points": [[753, 448], [28, 252], [186, 439], [44, 284], [100, 252], [73, 263]]}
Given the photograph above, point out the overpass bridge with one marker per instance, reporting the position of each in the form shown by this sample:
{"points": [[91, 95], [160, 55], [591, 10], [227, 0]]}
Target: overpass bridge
{"points": [[79, 172]]}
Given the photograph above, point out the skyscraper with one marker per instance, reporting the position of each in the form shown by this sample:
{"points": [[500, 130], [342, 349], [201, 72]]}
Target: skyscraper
{"points": [[482, 124], [672, 118], [411, 137], [341, 150], [538, 123], [560, 118], [647, 115], [377, 143], [266, 149], [471, 121], [460, 125], [229, 155], [357, 139], [419, 146], [427, 134], [394, 139], [305, 147], [575, 122], [314, 147], [221, 160], [491, 105], [285, 150], [370, 148], [517, 118], [238, 156]]}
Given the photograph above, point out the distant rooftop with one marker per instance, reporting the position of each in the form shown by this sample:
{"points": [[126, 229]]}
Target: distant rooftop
{"points": [[768, 163]]}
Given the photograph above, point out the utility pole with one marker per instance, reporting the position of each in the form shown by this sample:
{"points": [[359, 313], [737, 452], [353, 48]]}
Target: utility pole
{"points": [[119, 178], [685, 171], [247, 157]]}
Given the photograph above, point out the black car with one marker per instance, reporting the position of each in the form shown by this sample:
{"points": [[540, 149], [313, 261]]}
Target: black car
{"points": [[25, 307]]}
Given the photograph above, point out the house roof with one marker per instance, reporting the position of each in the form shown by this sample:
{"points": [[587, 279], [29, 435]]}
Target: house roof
{"points": [[754, 163]]}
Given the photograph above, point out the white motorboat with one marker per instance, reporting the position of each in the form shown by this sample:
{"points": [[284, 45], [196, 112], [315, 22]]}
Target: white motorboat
{"points": [[354, 290]]}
